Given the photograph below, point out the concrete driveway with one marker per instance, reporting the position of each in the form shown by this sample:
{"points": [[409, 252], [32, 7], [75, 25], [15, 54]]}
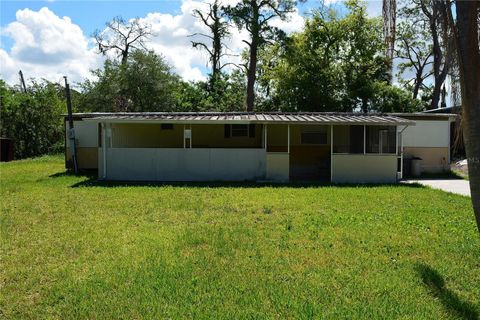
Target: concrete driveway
{"points": [[458, 186]]}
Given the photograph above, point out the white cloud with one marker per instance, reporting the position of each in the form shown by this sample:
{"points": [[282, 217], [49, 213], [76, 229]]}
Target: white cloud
{"points": [[293, 23], [46, 46], [171, 37]]}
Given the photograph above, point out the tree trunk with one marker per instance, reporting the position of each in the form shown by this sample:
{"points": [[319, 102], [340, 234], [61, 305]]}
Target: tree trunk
{"points": [[469, 62], [252, 65], [418, 83], [437, 58], [125, 55], [251, 75]]}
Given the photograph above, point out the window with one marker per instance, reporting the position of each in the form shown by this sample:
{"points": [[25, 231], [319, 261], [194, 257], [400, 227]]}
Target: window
{"points": [[314, 137], [167, 126], [348, 139], [381, 139], [239, 130]]}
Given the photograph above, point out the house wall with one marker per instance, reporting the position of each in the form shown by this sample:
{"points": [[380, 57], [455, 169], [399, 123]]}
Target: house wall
{"points": [[429, 140], [277, 137], [173, 164], [278, 166], [307, 161], [132, 135], [359, 168], [86, 157], [146, 135], [433, 159], [213, 136], [86, 137]]}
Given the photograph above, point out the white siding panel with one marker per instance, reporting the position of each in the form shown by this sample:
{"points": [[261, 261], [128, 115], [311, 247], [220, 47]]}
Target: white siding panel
{"points": [[86, 134], [278, 166], [352, 168], [427, 133], [167, 164]]}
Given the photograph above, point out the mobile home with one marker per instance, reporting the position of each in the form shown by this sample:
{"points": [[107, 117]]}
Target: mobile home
{"points": [[330, 147]]}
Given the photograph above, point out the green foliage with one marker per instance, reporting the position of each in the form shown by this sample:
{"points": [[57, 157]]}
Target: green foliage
{"points": [[387, 98], [145, 83], [228, 94], [33, 119], [335, 64], [78, 249]]}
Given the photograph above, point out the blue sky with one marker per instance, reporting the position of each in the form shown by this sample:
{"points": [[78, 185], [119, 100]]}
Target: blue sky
{"points": [[51, 38], [90, 15]]}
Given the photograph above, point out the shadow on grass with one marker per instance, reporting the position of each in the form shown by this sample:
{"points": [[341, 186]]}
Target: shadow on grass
{"points": [[91, 174], [434, 281], [92, 181]]}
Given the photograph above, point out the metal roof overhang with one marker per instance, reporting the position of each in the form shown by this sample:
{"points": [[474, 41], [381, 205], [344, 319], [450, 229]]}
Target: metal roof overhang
{"points": [[247, 118]]}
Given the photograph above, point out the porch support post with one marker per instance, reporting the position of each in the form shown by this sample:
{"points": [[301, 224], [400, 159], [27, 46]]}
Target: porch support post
{"points": [[331, 153], [104, 149], [364, 139], [399, 136], [266, 131], [288, 139], [184, 127], [396, 140], [401, 155]]}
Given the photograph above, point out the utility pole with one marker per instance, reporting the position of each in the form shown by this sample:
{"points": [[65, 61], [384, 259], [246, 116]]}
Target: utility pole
{"points": [[22, 80], [71, 130]]}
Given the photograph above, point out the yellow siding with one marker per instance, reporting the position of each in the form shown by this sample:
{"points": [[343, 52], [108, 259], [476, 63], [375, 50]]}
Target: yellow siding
{"points": [[296, 133], [146, 136], [87, 158], [213, 136]]}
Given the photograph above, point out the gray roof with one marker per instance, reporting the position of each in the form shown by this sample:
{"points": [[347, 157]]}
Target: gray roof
{"points": [[250, 117]]}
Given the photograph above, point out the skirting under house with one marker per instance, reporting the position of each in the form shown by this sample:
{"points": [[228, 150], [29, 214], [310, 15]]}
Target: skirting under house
{"points": [[329, 147]]}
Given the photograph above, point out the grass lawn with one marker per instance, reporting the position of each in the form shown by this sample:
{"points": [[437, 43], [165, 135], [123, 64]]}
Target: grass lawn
{"points": [[73, 248]]}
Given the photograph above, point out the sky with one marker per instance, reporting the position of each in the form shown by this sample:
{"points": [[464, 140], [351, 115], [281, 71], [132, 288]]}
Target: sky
{"points": [[50, 39]]}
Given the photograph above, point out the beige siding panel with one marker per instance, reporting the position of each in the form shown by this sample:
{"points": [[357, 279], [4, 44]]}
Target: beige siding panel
{"points": [[277, 135], [434, 160], [296, 132], [213, 136], [152, 164], [349, 168], [86, 158], [278, 167], [146, 135]]}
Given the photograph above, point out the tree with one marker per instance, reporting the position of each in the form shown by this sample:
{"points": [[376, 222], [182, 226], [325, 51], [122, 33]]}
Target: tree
{"points": [[335, 64], [468, 49], [196, 96], [213, 19], [389, 11], [146, 83], [254, 16], [33, 118], [413, 49], [122, 37], [436, 13]]}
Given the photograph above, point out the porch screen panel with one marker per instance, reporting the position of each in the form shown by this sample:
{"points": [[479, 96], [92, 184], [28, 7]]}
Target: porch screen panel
{"points": [[348, 139], [381, 139]]}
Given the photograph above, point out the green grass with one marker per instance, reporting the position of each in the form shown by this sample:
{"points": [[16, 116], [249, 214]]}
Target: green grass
{"points": [[74, 248]]}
